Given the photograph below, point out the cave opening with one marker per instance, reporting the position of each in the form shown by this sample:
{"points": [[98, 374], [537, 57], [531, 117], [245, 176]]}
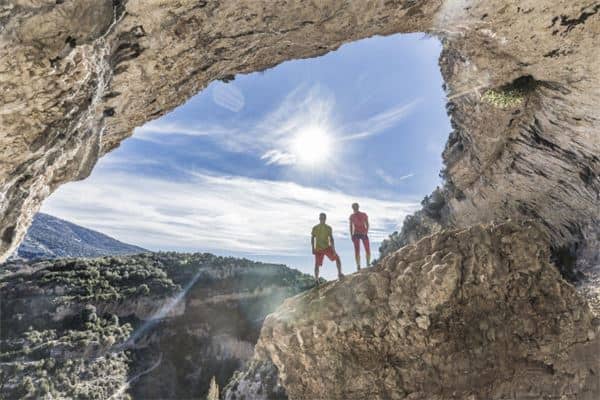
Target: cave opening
{"points": [[224, 172], [243, 169], [520, 174]]}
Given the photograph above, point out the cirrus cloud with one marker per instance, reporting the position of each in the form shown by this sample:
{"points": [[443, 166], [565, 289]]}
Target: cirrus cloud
{"points": [[215, 212]]}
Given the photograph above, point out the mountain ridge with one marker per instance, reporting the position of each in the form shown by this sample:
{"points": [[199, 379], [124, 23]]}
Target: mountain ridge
{"points": [[51, 237]]}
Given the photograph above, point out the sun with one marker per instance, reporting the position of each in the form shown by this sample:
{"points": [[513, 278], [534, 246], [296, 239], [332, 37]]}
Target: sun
{"points": [[311, 146]]}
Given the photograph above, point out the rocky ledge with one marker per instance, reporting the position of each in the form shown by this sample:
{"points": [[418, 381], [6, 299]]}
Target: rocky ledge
{"points": [[478, 313]]}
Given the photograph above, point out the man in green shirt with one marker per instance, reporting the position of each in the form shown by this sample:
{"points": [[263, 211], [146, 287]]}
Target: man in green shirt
{"points": [[322, 245]]}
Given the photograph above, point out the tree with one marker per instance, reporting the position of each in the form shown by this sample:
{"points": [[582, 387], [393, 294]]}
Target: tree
{"points": [[213, 391]]}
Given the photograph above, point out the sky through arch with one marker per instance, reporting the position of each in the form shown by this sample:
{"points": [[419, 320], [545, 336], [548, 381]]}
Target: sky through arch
{"points": [[244, 167]]}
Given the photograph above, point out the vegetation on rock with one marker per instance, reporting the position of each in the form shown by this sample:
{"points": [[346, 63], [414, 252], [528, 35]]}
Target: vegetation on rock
{"points": [[511, 95], [69, 325], [504, 98], [415, 226]]}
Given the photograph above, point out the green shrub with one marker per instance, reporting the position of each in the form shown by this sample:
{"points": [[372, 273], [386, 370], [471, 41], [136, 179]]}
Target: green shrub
{"points": [[28, 386], [507, 98], [143, 290], [512, 95]]}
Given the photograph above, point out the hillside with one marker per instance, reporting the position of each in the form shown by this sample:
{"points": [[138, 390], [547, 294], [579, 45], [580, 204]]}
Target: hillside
{"points": [[146, 326], [51, 237]]}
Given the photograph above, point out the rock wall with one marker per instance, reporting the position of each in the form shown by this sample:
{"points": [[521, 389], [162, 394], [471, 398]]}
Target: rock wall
{"points": [[77, 76], [474, 314], [523, 85]]}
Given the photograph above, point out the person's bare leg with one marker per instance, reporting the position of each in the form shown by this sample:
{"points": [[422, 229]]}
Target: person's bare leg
{"points": [[356, 243], [338, 264], [367, 246], [316, 275]]}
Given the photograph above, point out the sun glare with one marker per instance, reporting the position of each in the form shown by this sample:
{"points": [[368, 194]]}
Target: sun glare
{"points": [[311, 146]]}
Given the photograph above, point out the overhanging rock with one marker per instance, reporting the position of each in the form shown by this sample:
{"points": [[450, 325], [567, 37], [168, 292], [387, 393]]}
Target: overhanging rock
{"points": [[77, 77]]}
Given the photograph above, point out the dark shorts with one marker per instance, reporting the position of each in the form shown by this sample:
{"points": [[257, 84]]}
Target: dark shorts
{"points": [[356, 239]]}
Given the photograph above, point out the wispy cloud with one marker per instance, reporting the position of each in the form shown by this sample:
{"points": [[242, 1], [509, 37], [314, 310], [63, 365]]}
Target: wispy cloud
{"points": [[316, 107], [278, 157], [156, 131], [300, 110], [271, 137], [389, 179], [380, 122], [228, 96], [235, 214]]}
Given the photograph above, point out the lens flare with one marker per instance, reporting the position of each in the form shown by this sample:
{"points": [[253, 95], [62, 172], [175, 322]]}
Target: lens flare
{"points": [[311, 146]]}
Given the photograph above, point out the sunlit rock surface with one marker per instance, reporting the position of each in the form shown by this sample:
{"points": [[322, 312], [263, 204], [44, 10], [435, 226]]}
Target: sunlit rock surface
{"points": [[523, 87], [112, 326], [78, 76], [469, 314]]}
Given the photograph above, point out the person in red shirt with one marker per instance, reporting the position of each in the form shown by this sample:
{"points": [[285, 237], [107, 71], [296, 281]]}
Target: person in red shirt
{"points": [[359, 229]]}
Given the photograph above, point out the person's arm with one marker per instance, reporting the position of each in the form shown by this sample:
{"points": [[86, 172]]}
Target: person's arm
{"points": [[331, 240], [312, 242], [367, 223], [351, 226]]}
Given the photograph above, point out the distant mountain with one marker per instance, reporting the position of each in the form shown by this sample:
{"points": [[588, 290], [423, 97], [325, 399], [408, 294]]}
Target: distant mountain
{"points": [[51, 237]]}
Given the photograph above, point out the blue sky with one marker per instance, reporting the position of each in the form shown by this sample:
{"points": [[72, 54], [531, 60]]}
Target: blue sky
{"points": [[244, 167]]}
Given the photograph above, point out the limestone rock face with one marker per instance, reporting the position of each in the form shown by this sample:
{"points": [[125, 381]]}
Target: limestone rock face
{"points": [[77, 76], [478, 313]]}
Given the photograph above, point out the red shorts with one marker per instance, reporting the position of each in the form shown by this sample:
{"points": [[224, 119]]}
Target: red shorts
{"points": [[320, 254]]}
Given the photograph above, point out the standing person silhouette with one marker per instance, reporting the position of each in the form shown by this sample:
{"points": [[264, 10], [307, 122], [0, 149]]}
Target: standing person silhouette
{"points": [[359, 229], [322, 245]]}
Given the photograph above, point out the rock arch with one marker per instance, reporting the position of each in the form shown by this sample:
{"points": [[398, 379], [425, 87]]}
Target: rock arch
{"points": [[77, 77]]}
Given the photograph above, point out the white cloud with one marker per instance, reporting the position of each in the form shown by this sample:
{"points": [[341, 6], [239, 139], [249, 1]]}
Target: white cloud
{"points": [[278, 157], [403, 177], [233, 214], [228, 96], [155, 131], [380, 122], [391, 180], [316, 107]]}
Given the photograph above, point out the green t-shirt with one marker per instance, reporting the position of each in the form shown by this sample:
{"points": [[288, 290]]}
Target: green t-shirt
{"points": [[321, 232]]}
